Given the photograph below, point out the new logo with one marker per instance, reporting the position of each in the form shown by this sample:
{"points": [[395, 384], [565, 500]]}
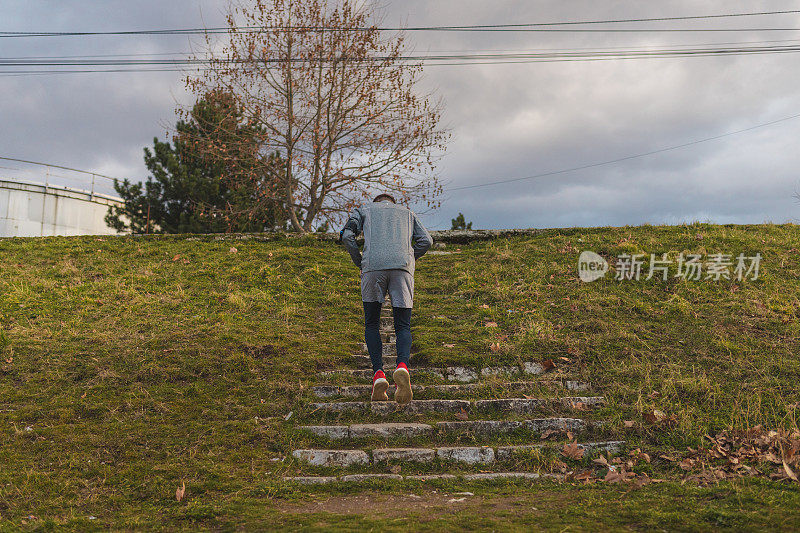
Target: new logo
{"points": [[591, 266]]}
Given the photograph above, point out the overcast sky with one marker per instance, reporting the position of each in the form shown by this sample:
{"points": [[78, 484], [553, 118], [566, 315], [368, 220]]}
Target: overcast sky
{"points": [[508, 121]]}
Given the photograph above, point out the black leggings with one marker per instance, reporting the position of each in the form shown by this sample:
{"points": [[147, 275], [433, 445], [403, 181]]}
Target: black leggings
{"points": [[372, 334]]}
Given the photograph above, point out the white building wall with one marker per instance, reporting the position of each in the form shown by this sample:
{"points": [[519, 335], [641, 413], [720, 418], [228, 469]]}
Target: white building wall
{"points": [[33, 210]]}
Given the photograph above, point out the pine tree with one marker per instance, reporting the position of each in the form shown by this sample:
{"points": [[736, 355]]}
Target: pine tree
{"points": [[460, 223], [192, 192]]}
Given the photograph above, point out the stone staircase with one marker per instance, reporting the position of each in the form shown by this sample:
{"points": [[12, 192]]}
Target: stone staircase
{"points": [[468, 423]]}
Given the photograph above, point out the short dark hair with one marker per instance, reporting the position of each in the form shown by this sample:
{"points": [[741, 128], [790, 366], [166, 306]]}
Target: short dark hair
{"points": [[385, 196]]}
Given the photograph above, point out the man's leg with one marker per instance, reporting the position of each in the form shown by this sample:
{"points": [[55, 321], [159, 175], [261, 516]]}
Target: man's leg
{"points": [[401, 376], [401, 287], [402, 329], [372, 336]]}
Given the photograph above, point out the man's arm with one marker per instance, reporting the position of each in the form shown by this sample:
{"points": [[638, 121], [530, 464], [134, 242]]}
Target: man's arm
{"points": [[421, 240], [351, 230]]}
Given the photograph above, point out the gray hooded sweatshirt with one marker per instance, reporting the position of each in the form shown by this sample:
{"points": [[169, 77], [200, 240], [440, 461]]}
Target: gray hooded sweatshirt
{"points": [[393, 237]]}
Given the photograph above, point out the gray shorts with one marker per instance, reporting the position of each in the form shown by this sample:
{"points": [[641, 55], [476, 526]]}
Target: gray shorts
{"points": [[398, 283]]}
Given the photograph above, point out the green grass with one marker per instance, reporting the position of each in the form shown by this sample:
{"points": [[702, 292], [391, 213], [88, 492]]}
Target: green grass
{"points": [[132, 364]]}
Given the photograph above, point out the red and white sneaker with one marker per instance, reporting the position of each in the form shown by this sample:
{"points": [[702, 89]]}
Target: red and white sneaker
{"points": [[379, 387], [402, 379]]}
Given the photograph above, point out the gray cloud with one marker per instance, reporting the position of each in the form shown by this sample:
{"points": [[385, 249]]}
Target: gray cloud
{"points": [[507, 120]]}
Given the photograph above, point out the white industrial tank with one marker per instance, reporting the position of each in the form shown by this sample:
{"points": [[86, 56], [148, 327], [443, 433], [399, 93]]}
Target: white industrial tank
{"points": [[34, 210]]}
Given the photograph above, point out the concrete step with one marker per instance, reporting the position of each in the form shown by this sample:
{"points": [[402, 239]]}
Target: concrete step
{"points": [[343, 458], [386, 430], [482, 476], [511, 405], [490, 427], [452, 373], [386, 408], [530, 405], [388, 349], [389, 358], [459, 454], [356, 391], [612, 447], [475, 427]]}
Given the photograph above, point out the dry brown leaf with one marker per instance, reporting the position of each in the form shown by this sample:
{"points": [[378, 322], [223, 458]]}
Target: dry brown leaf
{"points": [[573, 451], [613, 476], [601, 460], [772, 458], [495, 347], [462, 415], [578, 406], [180, 492], [547, 433], [789, 472], [548, 364], [655, 416]]}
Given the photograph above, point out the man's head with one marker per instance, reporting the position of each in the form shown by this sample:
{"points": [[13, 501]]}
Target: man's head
{"points": [[385, 198]]}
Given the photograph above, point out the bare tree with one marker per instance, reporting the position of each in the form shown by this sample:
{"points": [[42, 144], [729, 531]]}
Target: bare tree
{"points": [[333, 96]]}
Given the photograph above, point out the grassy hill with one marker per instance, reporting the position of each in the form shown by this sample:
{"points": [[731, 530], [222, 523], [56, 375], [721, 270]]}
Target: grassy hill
{"points": [[133, 365]]}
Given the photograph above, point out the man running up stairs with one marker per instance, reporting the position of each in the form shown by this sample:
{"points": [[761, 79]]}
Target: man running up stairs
{"points": [[393, 240]]}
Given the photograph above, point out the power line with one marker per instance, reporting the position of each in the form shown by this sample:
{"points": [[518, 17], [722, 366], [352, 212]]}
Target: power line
{"points": [[615, 21], [15, 73], [537, 26], [621, 159], [58, 166], [533, 56], [23, 73], [430, 51], [244, 30], [153, 54]]}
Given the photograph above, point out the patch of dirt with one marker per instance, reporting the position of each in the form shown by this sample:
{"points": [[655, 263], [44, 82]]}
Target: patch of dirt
{"points": [[432, 503]]}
